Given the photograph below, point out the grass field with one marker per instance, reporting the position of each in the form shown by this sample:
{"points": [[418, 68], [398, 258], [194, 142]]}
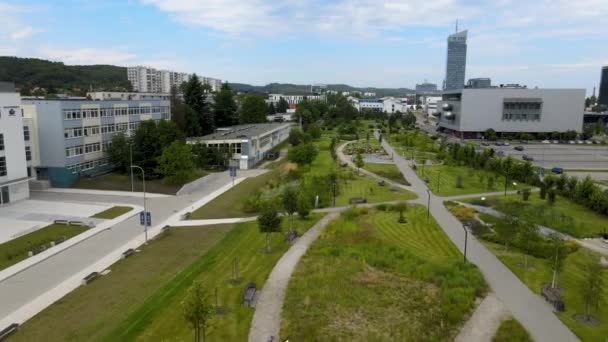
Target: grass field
{"points": [[112, 213], [160, 317], [564, 216], [443, 178], [570, 280], [367, 187], [122, 182], [230, 203], [16, 250], [388, 171], [91, 312], [370, 278], [511, 330]]}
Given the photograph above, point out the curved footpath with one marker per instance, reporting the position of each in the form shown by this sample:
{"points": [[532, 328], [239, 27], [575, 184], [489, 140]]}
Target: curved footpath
{"points": [[528, 308], [266, 321]]}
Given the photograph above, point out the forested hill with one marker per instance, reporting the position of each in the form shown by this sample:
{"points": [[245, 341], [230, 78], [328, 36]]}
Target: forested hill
{"points": [[58, 77]]}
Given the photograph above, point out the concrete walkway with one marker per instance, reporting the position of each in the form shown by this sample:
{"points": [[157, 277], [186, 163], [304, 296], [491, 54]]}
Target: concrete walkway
{"points": [[530, 309], [105, 193], [484, 322], [266, 321]]}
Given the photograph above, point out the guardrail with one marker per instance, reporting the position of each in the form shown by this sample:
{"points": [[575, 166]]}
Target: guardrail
{"points": [[8, 331]]}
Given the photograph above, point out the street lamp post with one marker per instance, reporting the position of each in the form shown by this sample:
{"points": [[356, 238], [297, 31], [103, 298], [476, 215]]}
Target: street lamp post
{"points": [[428, 206], [438, 179], [466, 238], [143, 177], [131, 165], [506, 182]]}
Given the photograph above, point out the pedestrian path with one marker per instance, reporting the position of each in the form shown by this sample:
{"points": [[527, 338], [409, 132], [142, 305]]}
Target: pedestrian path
{"points": [[105, 192], [484, 322], [266, 321]]}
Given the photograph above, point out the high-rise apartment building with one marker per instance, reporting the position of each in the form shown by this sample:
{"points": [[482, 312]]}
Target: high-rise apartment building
{"points": [[150, 80], [603, 95], [456, 61], [170, 79], [15, 149]]}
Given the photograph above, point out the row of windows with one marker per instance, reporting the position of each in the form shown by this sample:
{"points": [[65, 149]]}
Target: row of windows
{"points": [[233, 147], [72, 114], [82, 149], [521, 117], [28, 153], [521, 105], [2, 166], [88, 131], [88, 165]]}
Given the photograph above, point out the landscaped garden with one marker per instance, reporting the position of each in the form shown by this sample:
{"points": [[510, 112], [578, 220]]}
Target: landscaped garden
{"points": [[112, 213], [16, 250], [141, 299], [388, 171], [372, 275]]}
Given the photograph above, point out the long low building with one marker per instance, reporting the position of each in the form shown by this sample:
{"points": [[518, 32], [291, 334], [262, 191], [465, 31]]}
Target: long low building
{"points": [[468, 113], [249, 143]]}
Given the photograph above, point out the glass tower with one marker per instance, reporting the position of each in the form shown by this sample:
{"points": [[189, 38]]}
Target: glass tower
{"points": [[456, 61], [603, 98]]}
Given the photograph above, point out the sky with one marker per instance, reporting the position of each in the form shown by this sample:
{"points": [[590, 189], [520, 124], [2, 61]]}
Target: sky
{"points": [[394, 43]]}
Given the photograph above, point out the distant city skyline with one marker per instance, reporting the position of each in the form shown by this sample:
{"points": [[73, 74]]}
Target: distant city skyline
{"points": [[396, 43]]}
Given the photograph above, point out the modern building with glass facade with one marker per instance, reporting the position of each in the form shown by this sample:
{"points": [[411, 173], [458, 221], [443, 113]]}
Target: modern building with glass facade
{"points": [[456, 61], [469, 112], [479, 83], [73, 135], [603, 95]]}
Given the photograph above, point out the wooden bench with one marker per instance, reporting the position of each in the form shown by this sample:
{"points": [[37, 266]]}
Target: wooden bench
{"points": [[8, 331], [249, 295], [128, 253], [357, 200], [88, 279], [553, 296]]}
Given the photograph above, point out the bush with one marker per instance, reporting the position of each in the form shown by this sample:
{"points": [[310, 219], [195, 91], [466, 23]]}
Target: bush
{"points": [[354, 212], [314, 131], [302, 154]]}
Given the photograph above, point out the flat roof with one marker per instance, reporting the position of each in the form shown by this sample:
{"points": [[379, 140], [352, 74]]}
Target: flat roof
{"points": [[245, 131], [7, 87]]}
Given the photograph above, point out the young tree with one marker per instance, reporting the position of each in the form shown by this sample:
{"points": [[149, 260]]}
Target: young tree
{"points": [[559, 255], [592, 286], [491, 182], [253, 110], [290, 203], [224, 110], [302, 154], [175, 164], [358, 160], [332, 148], [304, 204], [528, 234], [269, 221], [198, 310], [401, 207]]}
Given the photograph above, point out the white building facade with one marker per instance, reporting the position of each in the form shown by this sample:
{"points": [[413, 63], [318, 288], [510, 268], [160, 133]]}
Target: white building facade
{"points": [[15, 149], [117, 95], [389, 105], [470, 112], [149, 80], [293, 99]]}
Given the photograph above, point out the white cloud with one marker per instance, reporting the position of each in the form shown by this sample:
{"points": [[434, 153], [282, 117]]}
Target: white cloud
{"points": [[85, 56], [23, 33]]}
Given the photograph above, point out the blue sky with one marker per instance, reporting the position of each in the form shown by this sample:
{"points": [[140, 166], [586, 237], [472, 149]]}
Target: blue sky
{"points": [[395, 43]]}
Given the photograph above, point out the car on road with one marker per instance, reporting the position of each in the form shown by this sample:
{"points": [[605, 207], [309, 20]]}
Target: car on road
{"points": [[527, 157], [545, 142], [557, 170], [519, 148], [571, 142], [506, 143], [485, 144], [555, 142], [500, 143]]}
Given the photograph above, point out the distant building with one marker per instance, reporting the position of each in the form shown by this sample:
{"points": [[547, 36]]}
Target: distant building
{"points": [[15, 149], [73, 135], [171, 79], [603, 95], [293, 99], [456, 61], [115, 95], [369, 94], [430, 103], [479, 83], [470, 112], [149, 80], [389, 105], [426, 88], [249, 143], [214, 83], [318, 88]]}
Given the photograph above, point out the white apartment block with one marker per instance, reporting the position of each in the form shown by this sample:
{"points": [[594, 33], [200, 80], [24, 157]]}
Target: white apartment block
{"points": [[293, 99], [214, 83], [388, 105], [170, 79], [149, 80], [15, 149]]}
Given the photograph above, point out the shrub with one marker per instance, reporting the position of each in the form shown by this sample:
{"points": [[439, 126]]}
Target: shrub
{"points": [[354, 212], [302, 154]]}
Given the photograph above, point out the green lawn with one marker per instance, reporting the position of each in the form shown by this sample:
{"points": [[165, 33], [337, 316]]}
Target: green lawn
{"points": [[112, 213], [370, 278], [367, 187], [231, 202], [564, 216], [511, 330], [122, 182], [442, 180], [570, 280], [160, 318], [16, 250], [91, 312], [388, 171]]}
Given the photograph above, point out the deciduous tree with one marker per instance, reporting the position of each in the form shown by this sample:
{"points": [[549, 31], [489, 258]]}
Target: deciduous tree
{"points": [[269, 221], [198, 310], [253, 110]]}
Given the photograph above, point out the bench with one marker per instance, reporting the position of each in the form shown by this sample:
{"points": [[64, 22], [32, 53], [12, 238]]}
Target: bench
{"points": [[249, 295], [357, 200], [8, 331], [128, 253], [554, 297], [66, 222], [86, 280], [381, 182], [186, 216]]}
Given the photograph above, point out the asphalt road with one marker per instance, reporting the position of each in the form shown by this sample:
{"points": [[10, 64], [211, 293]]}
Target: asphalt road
{"points": [[563, 155], [530, 309], [21, 288]]}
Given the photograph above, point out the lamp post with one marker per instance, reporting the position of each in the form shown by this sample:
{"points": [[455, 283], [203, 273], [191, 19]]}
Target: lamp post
{"points": [[506, 182], [143, 177], [466, 238], [131, 165], [428, 206], [438, 179]]}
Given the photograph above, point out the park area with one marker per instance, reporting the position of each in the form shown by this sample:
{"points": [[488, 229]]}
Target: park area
{"points": [[371, 277], [122, 182], [141, 299], [563, 215]]}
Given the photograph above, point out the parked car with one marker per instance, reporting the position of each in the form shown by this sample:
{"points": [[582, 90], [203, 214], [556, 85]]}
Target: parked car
{"points": [[545, 142], [555, 142], [526, 157], [571, 142], [485, 144], [519, 148], [506, 143], [500, 143], [557, 170]]}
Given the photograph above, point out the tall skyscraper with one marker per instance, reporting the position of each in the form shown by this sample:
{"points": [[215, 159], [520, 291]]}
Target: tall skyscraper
{"points": [[456, 61], [603, 98]]}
